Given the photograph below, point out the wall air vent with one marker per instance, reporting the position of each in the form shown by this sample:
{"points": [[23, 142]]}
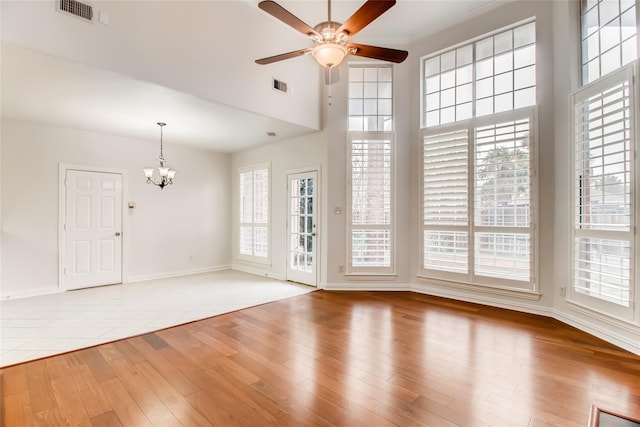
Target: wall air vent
{"points": [[280, 85], [76, 8]]}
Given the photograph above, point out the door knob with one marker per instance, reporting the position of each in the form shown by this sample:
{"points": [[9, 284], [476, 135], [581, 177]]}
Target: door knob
{"points": [[117, 233]]}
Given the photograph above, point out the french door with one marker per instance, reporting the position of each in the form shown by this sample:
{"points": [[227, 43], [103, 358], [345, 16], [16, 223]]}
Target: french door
{"points": [[302, 247], [93, 229]]}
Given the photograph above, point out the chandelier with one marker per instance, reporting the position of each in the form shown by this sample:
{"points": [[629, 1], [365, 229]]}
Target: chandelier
{"points": [[162, 175]]}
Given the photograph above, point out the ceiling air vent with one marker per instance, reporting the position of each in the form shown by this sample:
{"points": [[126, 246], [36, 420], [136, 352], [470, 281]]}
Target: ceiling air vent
{"points": [[280, 85], [76, 8]]}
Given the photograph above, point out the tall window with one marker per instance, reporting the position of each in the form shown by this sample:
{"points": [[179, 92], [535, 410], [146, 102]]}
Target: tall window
{"points": [[254, 213], [370, 169], [603, 119], [603, 130], [609, 36], [478, 162]]}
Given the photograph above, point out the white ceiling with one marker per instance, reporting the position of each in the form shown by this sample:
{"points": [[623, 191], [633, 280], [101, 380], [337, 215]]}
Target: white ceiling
{"points": [[405, 22], [51, 90], [45, 88]]}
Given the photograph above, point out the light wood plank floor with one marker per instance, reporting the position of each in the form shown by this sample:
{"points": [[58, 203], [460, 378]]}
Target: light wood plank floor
{"points": [[329, 359]]}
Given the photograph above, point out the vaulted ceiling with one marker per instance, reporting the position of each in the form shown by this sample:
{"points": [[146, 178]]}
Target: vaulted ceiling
{"points": [[188, 63]]}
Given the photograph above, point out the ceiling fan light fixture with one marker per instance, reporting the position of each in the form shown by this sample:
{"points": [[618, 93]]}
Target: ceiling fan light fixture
{"points": [[329, 55]]}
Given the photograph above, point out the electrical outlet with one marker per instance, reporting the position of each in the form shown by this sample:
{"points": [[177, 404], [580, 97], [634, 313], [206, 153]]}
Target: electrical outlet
{"points": [[563, 291], [341, 269]]}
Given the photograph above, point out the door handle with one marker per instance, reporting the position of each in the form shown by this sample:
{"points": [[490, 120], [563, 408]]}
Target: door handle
{"points": [[313, 234], [117, 233]]}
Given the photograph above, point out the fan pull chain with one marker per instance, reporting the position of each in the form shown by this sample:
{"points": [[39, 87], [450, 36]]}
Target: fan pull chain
{"points": [[330, 84]]}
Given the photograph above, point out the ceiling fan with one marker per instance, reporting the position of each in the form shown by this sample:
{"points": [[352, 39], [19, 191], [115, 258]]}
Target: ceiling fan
{"points": [[331, 39]]}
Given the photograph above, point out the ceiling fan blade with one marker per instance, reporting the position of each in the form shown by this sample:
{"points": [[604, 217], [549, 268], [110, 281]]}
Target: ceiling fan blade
{"points": [[283, 56], [331, 75], [375, 52], [367, 13], [279, 12]]}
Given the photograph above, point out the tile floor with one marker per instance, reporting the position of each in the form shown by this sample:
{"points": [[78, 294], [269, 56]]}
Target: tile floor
{"points": [[35, 327]]}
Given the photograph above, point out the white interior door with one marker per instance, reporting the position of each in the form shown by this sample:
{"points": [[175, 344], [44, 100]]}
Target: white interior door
{"points": [[302, 247], [93, 229]]}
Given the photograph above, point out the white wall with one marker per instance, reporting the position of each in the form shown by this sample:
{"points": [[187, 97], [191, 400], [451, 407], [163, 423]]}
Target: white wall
{"points": [[180, 229], [205, 48], [296, 154]]}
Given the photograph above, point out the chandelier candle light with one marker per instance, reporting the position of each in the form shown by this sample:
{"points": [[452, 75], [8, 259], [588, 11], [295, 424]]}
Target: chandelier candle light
{"points": [[162, 175]]}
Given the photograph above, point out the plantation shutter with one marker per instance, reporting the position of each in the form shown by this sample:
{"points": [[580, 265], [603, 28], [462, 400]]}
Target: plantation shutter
{"points": [[254, 213], [478, 196], [246, 213], [445, 201], [502, 200], [604, 210], [370, 159]]}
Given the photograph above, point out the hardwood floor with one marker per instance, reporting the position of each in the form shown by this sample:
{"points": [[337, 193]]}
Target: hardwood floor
{"points": [[329, 359]]}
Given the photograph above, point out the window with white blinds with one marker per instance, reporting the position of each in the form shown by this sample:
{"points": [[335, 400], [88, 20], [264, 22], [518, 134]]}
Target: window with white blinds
{"points": [[503, 199], [446, 201], [254, 213], [603, 129], [370, 224], [478, 201]]}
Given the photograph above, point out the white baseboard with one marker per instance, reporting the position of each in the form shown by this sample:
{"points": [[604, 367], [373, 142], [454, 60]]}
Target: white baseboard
{"points": [[627, 343], [170, 274], [31, 293], [460, 295], [258, 272], [367, 286]]}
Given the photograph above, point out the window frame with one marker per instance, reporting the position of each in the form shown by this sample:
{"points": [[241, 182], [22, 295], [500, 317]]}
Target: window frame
{"points": [[246, 257], [471, 279], [593, 304]]}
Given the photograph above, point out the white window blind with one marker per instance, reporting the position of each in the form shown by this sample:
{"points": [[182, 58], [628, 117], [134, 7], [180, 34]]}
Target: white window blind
{"points": [[603, 120], [254, 213], [503, 199], [478, 201], [371, 200], [446, 201]]}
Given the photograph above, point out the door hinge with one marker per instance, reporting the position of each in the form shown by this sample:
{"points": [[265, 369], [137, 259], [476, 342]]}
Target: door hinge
{"points": [[64, 227], [65, 271]]}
